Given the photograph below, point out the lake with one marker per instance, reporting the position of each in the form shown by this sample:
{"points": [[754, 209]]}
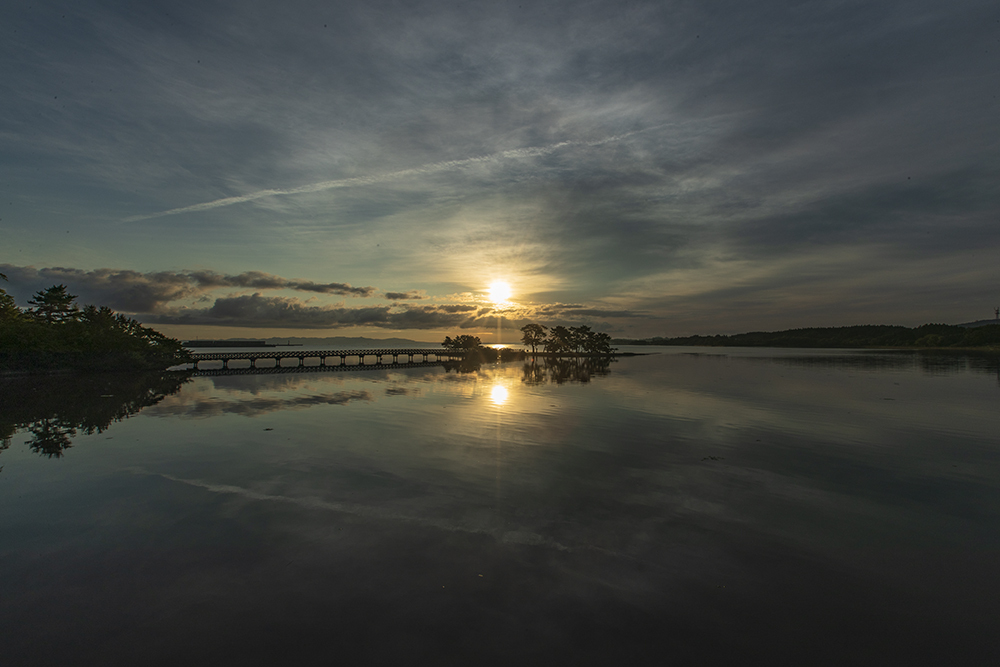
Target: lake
{"points": [[693, 506]]}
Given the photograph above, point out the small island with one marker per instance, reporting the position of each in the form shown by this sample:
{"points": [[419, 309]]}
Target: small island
{"points": [[55, 334], [558, 342]]}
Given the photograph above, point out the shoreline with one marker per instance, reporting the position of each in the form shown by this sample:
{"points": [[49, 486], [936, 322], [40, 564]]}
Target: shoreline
{"points": [[872, 348], [523, 355]]}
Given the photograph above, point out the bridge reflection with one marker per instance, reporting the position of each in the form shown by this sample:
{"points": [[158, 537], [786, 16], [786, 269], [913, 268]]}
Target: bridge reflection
{"points": [[316, 368]]}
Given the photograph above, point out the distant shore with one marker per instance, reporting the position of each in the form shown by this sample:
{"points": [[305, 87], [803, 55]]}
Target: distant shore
{"points": [[236, 343], [928, 336]]}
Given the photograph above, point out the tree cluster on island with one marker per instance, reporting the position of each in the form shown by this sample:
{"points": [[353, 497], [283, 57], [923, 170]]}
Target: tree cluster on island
{"points": [[580, 340], [54, 333], [566, 340]]}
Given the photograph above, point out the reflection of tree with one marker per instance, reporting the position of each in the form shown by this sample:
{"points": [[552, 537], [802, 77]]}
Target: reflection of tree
{"points": [[534, 374], [932, 362], [54, 409], [565, 369], [474, 359], [470, 364], [50, 437]]}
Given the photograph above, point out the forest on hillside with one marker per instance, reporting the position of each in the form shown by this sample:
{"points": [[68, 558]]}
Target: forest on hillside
{"points": [[925, 336], [54, 333]]}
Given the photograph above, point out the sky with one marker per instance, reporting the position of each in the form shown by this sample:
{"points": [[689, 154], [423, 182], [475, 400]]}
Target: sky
{"points": [[250, 169]]}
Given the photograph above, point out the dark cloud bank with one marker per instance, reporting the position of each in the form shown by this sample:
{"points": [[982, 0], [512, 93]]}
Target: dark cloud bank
{"points": [[256, 310], [150, 295], [137, 292]]}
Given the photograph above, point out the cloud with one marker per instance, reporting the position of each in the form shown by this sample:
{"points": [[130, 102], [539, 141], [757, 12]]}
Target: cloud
{"points": [[150, 296], [402, 296], [600, 312], [261, 280], [575, 310], [425, 169], [136, 292], [256, 310], [455, 308], [441, 145]]}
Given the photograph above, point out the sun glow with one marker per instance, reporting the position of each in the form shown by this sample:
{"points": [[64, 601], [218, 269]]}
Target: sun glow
{"points": [[499, 292]]}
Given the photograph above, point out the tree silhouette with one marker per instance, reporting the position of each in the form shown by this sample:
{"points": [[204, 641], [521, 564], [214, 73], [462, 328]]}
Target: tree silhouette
{"points": [[534, 335], [51, 437], [57, 334], [54, 410], [54, 304], [580, 337], [560, 339], [597, 343], [8, 307], [463, 342]]}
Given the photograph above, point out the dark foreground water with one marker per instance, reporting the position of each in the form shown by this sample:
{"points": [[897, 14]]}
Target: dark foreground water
{"points": [[682, 508]]}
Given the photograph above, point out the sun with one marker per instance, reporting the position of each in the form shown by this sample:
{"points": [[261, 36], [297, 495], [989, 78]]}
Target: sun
{"points": [[499, 292]]}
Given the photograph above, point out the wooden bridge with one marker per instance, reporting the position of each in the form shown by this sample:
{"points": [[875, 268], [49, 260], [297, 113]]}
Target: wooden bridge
{"points": [[371, 358]]}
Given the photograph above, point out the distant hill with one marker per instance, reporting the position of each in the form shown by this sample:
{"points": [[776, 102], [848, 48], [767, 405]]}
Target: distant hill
{"points": [[332, 341], [353, 341], [979, 323], [928, 335]]}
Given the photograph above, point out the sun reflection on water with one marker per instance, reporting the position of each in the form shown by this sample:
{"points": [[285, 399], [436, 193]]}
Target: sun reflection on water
{"points": [[498, 394]]}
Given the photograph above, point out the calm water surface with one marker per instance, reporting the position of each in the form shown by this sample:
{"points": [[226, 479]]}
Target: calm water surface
{"points": [[697, 506]]}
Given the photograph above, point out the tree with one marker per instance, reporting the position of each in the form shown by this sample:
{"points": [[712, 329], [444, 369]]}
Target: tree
{"points": [[8, 307], [560, 339], [534, 335], [579, 337], [463, 342], [598, 343], [54, 304]]}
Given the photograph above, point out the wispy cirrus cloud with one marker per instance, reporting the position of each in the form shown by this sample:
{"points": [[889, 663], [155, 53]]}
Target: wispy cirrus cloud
{"points": [[441, 145], [430, 168]]}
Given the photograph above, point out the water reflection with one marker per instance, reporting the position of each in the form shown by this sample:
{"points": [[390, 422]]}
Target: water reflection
{"points": [[410, 507], [498, 394], [932, 362], [561, 370], [258, 405], [54, 409], [471, 364]]}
